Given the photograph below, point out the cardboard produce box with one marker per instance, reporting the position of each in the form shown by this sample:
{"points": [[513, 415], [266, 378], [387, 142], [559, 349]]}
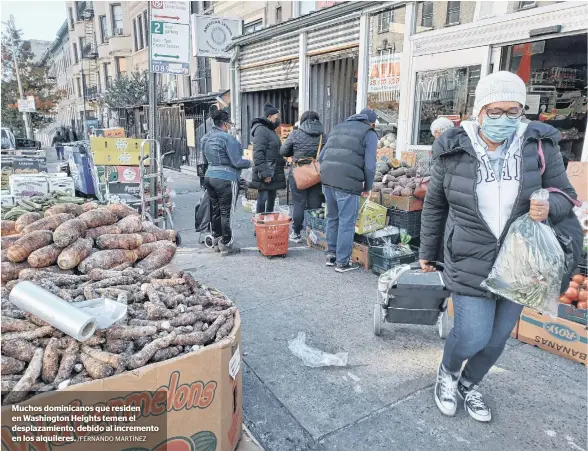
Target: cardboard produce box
{"points": [[405, 203], [376, 196], [28, 185], [385, 153], [513, 334], [117, 151], [360, 254], [30, 165], [555, 335], [120, 174], [371, 217], [195, 400], [571, 313], [316, 239], [65, 184]]}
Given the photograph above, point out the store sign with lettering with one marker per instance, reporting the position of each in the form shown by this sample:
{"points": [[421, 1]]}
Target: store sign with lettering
{"points": [[385, 72]]}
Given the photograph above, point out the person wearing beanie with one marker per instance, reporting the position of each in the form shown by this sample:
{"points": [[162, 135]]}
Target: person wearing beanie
{"points": [[304, 145], [484, 173], [440, 125], [268, 172], [348, 167], [223, 157]]}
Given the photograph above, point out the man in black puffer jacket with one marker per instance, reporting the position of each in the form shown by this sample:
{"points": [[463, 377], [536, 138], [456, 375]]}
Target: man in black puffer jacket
{"points": [[268, 172], [304, 145], [348, 167]]}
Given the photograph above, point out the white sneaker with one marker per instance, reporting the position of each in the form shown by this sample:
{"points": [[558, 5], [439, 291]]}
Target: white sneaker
{"points": [[474, 403], [446, 392], [295, 238]]}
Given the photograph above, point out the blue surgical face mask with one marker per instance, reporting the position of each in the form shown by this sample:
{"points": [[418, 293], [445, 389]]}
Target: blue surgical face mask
{"points": [[499, 130]]}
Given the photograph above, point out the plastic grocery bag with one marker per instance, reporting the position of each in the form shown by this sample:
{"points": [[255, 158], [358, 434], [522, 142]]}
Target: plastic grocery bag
{"points": [[315, 357], [530, 265], [247, 174]]}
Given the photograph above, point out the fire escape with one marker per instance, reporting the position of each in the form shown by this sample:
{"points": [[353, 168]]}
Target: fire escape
{"points": [[90, 55]]}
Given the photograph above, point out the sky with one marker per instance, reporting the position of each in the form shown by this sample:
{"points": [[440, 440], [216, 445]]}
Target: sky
{"points": [[38, 19]]}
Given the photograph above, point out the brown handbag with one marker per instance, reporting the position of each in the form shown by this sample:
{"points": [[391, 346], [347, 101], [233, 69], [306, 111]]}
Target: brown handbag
{"points": [[308, 175]]}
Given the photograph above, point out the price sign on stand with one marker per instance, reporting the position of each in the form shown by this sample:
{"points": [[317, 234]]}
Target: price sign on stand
{"points": [[170, 37]]}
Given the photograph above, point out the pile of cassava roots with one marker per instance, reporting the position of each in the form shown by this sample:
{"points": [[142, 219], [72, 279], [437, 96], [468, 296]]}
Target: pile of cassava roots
{"points": [[169, 313]]}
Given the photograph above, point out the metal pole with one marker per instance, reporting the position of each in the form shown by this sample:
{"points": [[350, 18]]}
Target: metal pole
{"points": [[25, 115], [84, 124], [153, 160]]}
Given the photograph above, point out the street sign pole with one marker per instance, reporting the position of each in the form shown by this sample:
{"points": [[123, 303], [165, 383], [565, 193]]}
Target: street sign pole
{"points": [[152, 127]]}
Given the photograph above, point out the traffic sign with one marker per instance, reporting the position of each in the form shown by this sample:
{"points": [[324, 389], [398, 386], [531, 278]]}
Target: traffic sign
{"points": [[27, 105], [170, 37], [176, 12]]}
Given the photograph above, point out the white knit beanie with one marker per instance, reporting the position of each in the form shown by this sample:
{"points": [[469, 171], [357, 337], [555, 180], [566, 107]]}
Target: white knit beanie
{"points": [[441, 124], [500, 86]]}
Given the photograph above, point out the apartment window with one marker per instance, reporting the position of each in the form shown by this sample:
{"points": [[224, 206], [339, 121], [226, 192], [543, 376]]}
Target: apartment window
{"points": [[384, 20], [135, 34], [453, 9], [253, 26], [278, 14], [82, 44], [427, 20], [117, 20], [121, 67], [525, 5], [206, 6], [103, 29], [79, 83], [146, 23], [140, 31], [71, 19], [107, 76], [75, 52]]}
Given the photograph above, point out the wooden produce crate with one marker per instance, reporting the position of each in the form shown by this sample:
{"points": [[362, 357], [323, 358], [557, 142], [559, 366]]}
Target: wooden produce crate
{"points": [[405, 203]]}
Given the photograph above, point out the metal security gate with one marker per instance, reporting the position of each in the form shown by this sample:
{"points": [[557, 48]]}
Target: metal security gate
{"points": [[286, 100], [333, 90], [171, 134]]}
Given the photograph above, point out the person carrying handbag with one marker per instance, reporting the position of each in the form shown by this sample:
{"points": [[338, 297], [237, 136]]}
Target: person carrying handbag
{"points": [[304, 145]]}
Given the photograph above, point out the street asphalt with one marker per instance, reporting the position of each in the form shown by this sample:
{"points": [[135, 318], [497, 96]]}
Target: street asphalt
{"points": [[383, 399]]}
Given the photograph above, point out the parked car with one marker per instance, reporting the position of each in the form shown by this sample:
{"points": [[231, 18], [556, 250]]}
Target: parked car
{"points": [[25, 143]]}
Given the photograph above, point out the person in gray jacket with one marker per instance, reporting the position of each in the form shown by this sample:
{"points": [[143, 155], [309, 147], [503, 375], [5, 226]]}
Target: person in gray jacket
{"points": [[483, 176], [223, 156]]}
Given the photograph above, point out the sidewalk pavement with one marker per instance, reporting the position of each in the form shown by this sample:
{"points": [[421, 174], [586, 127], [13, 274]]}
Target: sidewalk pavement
{"points": [[383, 399]]}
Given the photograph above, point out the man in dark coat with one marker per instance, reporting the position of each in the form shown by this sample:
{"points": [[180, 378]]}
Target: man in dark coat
{"points": [[57, 142], [223, 156], [303, 145], [484, 174], [268, 172], [348, 167]]}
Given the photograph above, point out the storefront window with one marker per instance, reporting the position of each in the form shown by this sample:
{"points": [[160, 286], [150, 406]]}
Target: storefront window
{"points": [[387, 39], [446, 92], [555, 73]]}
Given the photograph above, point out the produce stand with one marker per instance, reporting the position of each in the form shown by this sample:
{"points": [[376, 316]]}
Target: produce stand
{"points": [[177, 351]]}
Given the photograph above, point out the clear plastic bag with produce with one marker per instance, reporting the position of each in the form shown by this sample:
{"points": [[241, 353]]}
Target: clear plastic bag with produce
{"points": [[530, 265]]}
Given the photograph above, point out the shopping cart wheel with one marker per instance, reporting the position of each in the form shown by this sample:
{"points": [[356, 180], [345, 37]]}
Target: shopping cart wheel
{"points": [[283, 255], [209, 241], [377, 319], [443, 324]]}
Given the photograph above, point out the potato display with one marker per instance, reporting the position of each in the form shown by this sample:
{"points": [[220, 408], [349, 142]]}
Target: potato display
{"points": [[394, 177], [169, 314], [84, 237]]}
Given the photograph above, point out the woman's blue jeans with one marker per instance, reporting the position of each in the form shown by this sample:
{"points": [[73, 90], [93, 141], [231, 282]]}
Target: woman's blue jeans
{"points": [[480, 331]]}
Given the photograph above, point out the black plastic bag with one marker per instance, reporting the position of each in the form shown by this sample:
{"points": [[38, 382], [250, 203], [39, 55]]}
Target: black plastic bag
{"points": [[203, 213]]}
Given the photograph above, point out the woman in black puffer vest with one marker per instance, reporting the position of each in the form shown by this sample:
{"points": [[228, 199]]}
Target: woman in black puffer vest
{"points": [[268, 172], [303, 145]]}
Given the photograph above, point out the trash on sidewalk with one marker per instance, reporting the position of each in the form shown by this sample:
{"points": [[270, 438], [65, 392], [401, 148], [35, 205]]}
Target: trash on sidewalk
{"points": [[315, 357]]}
